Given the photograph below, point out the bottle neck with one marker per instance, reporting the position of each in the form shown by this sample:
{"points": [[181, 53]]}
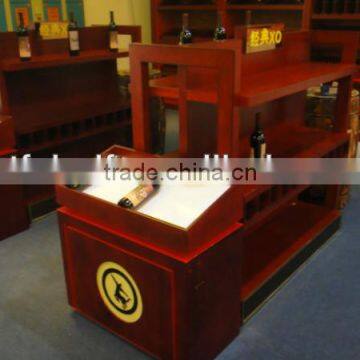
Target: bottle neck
{"points": [[248, 17], [21, 20], [72, 19], [185, 21], [112, 20], [219, 21], [257, 123]]}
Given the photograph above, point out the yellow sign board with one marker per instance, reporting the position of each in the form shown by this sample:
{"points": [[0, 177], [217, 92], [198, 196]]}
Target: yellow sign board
{"points": [[263, 37], [54, 30], [119, 292]]}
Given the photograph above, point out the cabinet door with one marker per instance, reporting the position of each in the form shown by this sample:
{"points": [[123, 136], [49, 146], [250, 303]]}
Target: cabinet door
{"points": [[77, 7], [124, 292], [3, 25], [21, 6], [52, 10]]}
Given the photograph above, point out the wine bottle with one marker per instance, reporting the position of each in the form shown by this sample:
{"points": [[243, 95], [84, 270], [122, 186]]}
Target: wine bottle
{"points": [[325, 89], [257, 140], [24, 40], [185, 34], [220, 31], [113, 34], [248, 16], [137, 196], [74, 43]]}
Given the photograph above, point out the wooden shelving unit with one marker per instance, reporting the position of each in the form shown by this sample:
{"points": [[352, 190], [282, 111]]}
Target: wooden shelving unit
{"points": [[166, 16], [57, 103], [280, 229], [58, 60], [212, 274]]}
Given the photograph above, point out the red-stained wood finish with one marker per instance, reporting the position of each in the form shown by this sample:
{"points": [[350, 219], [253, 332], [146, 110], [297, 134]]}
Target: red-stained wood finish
{"points": [[57, 103], [166, 17], [13, 212], [202, 281], [191, 308]]}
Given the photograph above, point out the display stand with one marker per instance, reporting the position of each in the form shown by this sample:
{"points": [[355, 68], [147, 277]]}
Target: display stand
{"points": [[166, 16], [199, 283], [57, 103]]}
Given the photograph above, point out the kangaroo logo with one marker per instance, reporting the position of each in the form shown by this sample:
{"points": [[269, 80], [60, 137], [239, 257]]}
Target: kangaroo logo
{"points": [[119, 292]]}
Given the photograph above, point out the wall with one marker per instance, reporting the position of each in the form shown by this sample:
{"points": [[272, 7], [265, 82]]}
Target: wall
{"points": [[96, 12], [127, 12]]}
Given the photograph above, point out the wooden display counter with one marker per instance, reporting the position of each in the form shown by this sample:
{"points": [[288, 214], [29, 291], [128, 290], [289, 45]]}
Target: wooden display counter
{"points": [[192, 287]]}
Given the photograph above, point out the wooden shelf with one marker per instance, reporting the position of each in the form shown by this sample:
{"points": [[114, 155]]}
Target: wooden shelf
{"points": [[263, 86], [276, 83], [47, 144], [187, 8], [54, 60], [265, 7], [270, 247], [335, 16], [174, 39], [292, 140]]}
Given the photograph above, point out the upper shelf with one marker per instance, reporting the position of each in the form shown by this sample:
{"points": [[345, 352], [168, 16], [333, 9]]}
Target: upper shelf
{"points": [[263, 86], [54, 60], [336, 16], [205, 7], [267, 7], [276, 83], [210, 7]]}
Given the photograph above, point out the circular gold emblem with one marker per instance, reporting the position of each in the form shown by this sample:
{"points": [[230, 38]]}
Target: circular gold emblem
{"points": [[119, 292]]}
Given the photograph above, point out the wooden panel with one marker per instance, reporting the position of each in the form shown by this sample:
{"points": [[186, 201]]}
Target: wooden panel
{"points": [[84, 90], [84, 254], [191, 310]]}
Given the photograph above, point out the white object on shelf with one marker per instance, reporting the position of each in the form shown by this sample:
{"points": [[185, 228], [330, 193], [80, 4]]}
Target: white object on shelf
{"points": [[177, 203]]}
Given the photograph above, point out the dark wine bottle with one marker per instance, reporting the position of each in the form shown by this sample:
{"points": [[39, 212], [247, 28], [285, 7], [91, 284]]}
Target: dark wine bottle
{"points": [[185, 34], [24, 40], [220, 31], [74, 43], [248, 17], [113, 34], [257, 140], [137, 196]]}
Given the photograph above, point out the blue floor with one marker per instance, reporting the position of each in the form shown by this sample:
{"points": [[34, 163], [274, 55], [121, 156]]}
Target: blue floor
{"points": [[316, 315]]}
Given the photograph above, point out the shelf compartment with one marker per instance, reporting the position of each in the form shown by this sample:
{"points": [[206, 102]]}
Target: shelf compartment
{"points": [[65, 133], [54, 60], [282, 244], [279, 82], [336, 16], [267, 7], [184, 7], [261, 87], [293, 140]]}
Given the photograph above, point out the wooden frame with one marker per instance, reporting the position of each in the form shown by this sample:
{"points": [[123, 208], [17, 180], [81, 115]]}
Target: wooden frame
{"points": [[57, 103], [222, 268], [166, 17], [141, 56]]}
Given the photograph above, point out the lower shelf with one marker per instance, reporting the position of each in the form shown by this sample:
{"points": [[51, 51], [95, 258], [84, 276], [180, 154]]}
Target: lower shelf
{"points": [[280, 246]]}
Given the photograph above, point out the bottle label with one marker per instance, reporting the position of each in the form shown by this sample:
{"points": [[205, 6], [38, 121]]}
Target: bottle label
{"points": [[261, 153], [74, 40], [138, 195], [114, 40], [24, 47]]}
